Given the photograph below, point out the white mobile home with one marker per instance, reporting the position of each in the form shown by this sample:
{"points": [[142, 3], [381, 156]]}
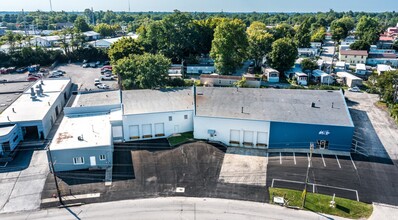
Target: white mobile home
{"points": [[322, 77], [349, 79], [301, 78]]}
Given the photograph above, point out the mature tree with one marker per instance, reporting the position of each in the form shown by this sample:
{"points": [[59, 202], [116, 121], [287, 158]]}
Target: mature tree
{"points": [[308, 64], [368, 29], [283, 30], [106, 30], [283, 54], [385, 82], [260, 41], [145, 71], [341, 28], [395, 45], [302, 37], [360, 45], [123, 48], [318, 35], [229, 46], [205, 30], [81, 25], [241, 83]]}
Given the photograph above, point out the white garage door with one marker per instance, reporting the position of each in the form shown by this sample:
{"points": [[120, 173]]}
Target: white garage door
{"points": [[262, 139], [147, 131], [248, 138], [159, 129], [117, 131], [234, 137], [134, 132]]}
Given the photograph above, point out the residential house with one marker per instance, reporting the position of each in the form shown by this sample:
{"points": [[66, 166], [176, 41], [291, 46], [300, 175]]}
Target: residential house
{"points": [[271, 75], [308, 52], [319, 76], [353, 56], [317, 45], [176, 71], [360, 69], [349, 80], [385, 42], [200, 69], [46, 41], [228, 81], [387, 58], [301, 78], [91, 35], [381, 68], [340, 66]]}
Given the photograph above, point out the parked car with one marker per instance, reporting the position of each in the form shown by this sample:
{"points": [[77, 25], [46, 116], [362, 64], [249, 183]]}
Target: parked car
{"points": [[107, 62], [33, 78], [34, 68], [107, 77], [106, 68], [3, 70], [11, 69], [103, 86], [97, 81], [85, 61], [98, 63], [106, 71], [59, 72], [85, 65], [21, 70], [354, 89], [93, 65]]}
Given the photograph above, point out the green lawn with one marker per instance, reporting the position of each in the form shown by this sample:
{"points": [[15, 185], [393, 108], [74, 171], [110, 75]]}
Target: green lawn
{"points": [[180, 138], [320, 203]]}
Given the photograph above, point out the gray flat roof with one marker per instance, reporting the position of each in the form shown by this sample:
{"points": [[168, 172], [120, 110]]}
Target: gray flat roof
{"points": [[97, 98], [10, 91], [162, 100], [281, 105]]}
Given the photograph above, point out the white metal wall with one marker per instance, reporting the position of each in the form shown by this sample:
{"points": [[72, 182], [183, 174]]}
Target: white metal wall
{"points": [[155, 124], [233, 132]]}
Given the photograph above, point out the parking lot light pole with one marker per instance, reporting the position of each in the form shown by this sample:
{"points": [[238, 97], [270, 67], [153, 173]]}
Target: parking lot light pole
{"points": [[306, 177]]}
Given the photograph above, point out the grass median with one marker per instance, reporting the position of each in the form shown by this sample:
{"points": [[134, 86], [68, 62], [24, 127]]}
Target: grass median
{"points": [[321, 203], [180, 138]]}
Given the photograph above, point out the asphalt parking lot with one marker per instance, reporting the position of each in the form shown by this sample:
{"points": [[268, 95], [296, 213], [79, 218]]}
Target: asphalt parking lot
{"points": [[14, 76], [189, 170], [84, 77]]}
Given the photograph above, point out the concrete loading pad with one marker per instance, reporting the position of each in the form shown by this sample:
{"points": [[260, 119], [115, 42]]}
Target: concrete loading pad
{"points": [[244, 169]]}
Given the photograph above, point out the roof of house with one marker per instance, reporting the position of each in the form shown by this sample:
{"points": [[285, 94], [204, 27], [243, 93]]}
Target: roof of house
{"points": [[278, 105], [385, 38], [94, 128], [383, 56], [270, 70], [24, 108], [90, 33], [347, 75], [5, 130], [360, 66], [160, 100], [97, 98], [318, 73], [383, 67], [354, 52]]}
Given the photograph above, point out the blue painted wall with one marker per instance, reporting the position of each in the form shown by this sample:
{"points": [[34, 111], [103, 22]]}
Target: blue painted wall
{"points": [[294, 135]]}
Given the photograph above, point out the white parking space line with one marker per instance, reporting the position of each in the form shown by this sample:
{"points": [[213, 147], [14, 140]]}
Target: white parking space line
{"points": [[324, 164], [338, 162], [353, 162], [280, 157], [308, 157], [294, 157]]}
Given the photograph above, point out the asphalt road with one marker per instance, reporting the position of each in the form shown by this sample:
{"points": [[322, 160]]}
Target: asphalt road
{"points": [[173, 208]]}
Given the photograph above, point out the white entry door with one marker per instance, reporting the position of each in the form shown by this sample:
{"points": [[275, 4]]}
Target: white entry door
{"points": [[93, 162]]}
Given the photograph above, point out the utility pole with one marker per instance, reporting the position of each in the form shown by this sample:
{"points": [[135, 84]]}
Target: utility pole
{"points": [[55, 176], [129, 5], [306, 177], [51, 6]]}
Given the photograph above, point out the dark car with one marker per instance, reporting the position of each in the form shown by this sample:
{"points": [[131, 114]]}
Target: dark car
{"points": [[107, 62]]}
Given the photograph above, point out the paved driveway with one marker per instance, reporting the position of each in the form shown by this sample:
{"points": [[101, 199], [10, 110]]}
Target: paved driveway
{"points": [[22, 181]]}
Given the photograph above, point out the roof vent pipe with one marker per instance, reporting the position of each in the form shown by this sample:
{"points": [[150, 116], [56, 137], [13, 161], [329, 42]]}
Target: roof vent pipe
{"points": [[242, 110], [313, 104]]}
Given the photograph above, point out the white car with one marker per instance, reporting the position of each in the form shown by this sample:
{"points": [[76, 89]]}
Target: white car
{"points": [[107, 77], [103, 86], [354, 89]]}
